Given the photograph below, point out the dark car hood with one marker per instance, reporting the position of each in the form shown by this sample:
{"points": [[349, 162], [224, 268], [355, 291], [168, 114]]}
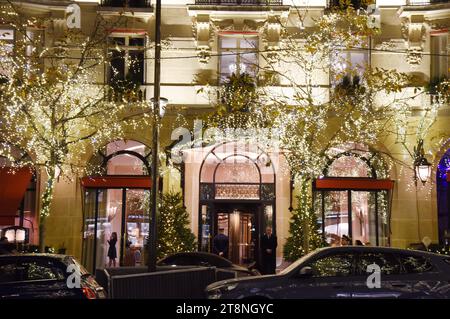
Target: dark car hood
{"points": [[245, 280]]}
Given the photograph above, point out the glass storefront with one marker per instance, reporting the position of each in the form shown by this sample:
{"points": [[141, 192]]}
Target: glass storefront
{"points": [[116, 205], [351, 201], [359, 215]]}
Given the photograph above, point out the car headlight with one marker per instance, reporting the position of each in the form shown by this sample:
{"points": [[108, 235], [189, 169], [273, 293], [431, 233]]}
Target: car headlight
{"points": [[216, 293]]}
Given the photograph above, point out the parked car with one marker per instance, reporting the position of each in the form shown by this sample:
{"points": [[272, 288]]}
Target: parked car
{"points": [[206, 260], [341, 272], [29, 276]]}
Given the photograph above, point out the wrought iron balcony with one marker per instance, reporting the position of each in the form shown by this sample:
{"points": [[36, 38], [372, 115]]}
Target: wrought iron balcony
{"points": [[240, 2], [357, 4], [126, 3]]}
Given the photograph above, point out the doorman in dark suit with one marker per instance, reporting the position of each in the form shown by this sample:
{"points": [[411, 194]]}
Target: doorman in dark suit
{"points": [[220, 244], [268, 246]]}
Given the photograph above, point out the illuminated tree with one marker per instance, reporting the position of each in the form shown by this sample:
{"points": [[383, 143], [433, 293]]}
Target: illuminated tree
{"points": [[363, 104], [174, 233], [51, 106], [303, 227]]}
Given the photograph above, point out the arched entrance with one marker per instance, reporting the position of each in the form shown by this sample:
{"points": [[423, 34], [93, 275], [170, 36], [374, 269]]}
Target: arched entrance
{"points": [[351, 199], [116, 200], [443, 196], [237, 195]]}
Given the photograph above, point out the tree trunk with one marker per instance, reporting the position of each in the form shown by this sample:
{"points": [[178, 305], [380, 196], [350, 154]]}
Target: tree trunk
{"points": [[46, 201], [305, 189]]}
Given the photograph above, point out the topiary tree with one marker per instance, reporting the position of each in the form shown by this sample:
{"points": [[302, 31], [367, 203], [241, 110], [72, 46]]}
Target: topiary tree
{"points": [[304, 229], [174, 234]]}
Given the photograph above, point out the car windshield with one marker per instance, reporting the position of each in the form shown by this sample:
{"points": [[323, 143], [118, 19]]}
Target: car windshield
{"points": [[295, 264]]}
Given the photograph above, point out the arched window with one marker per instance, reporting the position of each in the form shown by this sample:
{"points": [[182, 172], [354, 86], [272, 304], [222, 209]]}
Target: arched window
{"points": [[121, 158], [443, 195]]}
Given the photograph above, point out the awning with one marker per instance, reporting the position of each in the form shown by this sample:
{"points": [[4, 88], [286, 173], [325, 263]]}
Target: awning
{"points": [[13, 185], [345, 183], [117, 181]]}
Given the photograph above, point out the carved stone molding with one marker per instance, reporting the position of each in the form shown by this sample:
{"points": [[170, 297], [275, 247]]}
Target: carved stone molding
{"points": [[414, 32], [202, 32]]}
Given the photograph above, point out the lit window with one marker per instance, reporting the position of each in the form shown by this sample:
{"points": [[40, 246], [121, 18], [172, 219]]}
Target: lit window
{"points": [[348, 66], [127, 58], [6, 47], [238, 55], [439, 58]]}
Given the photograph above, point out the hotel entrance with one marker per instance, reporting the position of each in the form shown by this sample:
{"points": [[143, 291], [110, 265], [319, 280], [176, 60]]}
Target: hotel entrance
{"points": [[237, 195]]}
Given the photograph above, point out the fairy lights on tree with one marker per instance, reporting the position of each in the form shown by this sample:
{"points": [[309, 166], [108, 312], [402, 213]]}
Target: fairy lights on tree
{"points": [[364, 104], [51, 105], [174, 234]]}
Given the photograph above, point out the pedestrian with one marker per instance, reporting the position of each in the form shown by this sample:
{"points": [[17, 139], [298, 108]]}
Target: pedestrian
{"points": [[220, 244], [129, 259], [269, 244], [7, 248], [112, 252], [345, 240]]}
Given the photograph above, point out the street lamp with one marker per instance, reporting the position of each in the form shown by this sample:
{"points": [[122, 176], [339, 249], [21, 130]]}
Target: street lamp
{"points": [[162, 105], [422, 168], [15, 234], [157, 111]]}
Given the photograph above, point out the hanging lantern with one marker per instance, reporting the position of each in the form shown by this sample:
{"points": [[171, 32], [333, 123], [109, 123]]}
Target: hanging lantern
{"points": [[423, 170]]}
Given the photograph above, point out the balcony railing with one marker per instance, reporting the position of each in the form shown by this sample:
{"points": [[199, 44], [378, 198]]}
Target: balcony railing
{"points": [[126, 3], [240, 2], [357, 4], [135, 95], [424, 2]]}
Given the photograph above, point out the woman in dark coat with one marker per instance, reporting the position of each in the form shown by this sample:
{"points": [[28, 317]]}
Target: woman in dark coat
{"points": [[112, 252]]}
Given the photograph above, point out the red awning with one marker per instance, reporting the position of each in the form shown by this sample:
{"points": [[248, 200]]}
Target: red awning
{"points": [[353, 184], [13, 185], [117, 181]]}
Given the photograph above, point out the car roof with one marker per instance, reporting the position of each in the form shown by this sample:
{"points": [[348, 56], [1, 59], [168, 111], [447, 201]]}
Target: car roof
{"points": [[380, 249], [200, 254], [37, 255]]}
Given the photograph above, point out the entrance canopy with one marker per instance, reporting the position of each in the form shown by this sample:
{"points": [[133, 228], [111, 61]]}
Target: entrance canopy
{"points": [[13, 185], [343, 183], [115, 181]]}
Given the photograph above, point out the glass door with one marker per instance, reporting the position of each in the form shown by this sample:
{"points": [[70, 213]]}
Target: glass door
{"points": [[241, 229], [89, 210], [336, 216], [364, 218], [94, 229], [247, 239], [136, 227]]}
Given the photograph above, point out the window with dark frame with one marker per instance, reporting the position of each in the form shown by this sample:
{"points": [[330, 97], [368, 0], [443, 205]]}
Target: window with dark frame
{"points": [[127, 60]]}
